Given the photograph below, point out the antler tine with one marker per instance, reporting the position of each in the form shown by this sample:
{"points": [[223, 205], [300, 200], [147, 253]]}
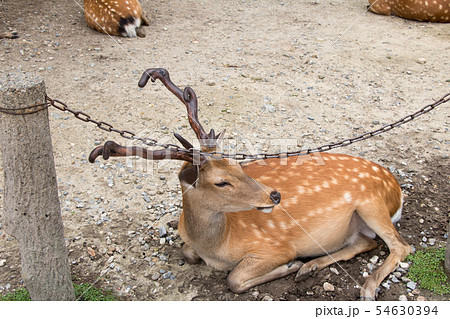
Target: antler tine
{"points": [[113, 149], [188, 97], [192, 109], [162, 75]]}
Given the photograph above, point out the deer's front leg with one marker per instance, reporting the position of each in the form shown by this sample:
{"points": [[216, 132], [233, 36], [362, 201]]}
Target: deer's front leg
{"points": [[251, 272], [190, 255]]}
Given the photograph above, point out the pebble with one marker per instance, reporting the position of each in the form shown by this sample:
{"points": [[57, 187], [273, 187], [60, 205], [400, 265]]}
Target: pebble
{"points": [[267, 298], [328, 287], [156, 276], [2, 262], [404, 265], [421, 60], [394, 279], [432, 241], [403, 298], [374, 259], [334, 270], [167, 275], [162, 231], [386, 285], [411, 285], [421, 298]]}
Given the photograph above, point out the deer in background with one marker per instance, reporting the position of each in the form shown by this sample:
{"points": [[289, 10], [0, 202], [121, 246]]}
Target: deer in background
{"points": [[115, 17], [9, 35], [423, 10], [234, 219]]}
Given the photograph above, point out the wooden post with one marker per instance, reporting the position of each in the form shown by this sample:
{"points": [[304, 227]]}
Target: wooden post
{"points": [[32, 212]]}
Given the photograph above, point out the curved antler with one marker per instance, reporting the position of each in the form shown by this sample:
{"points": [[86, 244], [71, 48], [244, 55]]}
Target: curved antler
{"points": [[113, 149], [189, 98]]}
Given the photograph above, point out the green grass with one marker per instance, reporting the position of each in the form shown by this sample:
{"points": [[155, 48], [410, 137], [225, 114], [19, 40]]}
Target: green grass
{"points": [[427, 269], [82, 293]]}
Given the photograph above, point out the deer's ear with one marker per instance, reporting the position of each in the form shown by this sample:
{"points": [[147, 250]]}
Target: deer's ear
{"points": [[189, 176]]}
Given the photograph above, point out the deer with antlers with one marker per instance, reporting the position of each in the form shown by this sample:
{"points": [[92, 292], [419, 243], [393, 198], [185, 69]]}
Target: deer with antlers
{"points": [[234, 219]]}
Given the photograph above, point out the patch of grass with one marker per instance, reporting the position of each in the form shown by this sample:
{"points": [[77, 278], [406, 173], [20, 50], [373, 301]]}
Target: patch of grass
{"points": [[427, 269], [83, 292], [17, 295]]}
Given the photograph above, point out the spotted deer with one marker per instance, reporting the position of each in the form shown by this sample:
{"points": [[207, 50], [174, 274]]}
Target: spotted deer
{"points": [[233, 218], [421, 10], [9, 35], [115, 17]]}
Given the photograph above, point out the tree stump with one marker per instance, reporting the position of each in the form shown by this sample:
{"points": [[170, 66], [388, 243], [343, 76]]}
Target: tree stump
{"points": [[32, 212]]}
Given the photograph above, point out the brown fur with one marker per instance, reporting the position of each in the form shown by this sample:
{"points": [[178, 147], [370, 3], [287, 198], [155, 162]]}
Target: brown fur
{"points": [[316, 216], [105, 15], [421, 10]]}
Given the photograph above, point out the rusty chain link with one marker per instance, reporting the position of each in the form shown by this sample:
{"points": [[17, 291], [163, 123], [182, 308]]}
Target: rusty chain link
{"points": [[243, 156]]}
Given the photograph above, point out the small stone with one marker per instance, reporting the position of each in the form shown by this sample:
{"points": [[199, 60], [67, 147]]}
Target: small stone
{"points": [[162, 241], [328, 287], [421, 221], [411, 285], [210, 83], [431, 241], [406, 279], [2, 262], [374, 259], [394, 279], [162, 231], [156, 276], [421, 60], [402, 298], [404, 265], [421, 298], [397, 274], [267, 298], [147, 199], [386, 285], [424, 239], [334, 270], [365, 274]]}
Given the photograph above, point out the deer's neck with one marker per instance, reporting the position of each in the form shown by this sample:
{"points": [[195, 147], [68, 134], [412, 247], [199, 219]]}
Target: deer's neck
{"points": [[205, 225]]}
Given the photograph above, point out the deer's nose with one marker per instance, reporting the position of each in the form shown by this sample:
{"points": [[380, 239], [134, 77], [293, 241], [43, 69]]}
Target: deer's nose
{"points": [[275, 197]]}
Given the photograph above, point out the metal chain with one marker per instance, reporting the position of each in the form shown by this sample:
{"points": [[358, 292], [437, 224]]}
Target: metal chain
{"points": [[242, 156], [26, 109]]}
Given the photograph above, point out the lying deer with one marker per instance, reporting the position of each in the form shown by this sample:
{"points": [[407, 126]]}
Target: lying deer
{"points": [[333, 207], [426, 10], [115, 17], [9, 35]]}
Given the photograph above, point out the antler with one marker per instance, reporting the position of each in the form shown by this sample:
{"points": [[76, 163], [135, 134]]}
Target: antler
{"points": [[189, 98], [113, 149]]}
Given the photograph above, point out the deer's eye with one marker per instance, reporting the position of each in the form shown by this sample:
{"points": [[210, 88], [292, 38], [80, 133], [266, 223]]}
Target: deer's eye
{"points": [[222, 184]]}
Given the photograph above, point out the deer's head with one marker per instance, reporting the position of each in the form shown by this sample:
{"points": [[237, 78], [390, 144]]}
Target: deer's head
{"points": [[219, 183]]}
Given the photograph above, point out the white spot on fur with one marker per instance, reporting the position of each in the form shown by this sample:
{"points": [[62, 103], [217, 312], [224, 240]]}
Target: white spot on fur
{"points": [[347, 197], [398, 214]]}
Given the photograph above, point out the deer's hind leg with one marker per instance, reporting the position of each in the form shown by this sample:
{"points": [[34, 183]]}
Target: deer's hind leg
{"points": [[357, 246], [379, 221], [253, 271]]}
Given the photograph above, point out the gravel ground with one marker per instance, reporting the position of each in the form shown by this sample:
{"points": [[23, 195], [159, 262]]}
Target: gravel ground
{"points": [[273, 73]]}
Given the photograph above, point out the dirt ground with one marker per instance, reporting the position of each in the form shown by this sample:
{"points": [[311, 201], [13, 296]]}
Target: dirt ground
{"points": [[299, 73]]}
